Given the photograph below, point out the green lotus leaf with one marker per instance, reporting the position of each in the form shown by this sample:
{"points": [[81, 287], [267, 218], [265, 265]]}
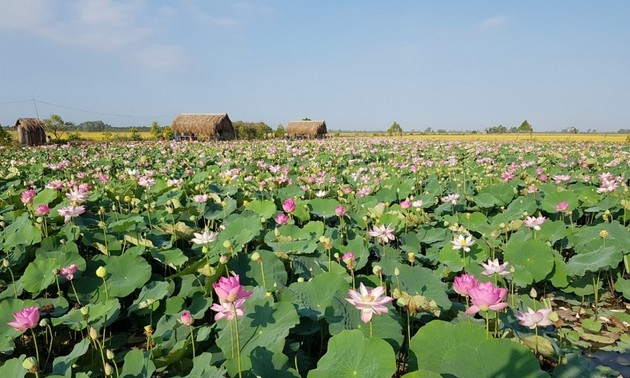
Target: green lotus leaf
{"points": [[324, 207], [532, 260], [266, 209], [13, 368], [623, 286], [125, 273], [239, 231], [552, 231], [202, 368], [174, 258], [21, 231], [100, 314], [138, 364], [552, 199], [63, 365], [40, 274], [154, 291], [267, 364], [602, 258], [350, 354], [418, 280], [312, 298], [45, 197], [291, 239], [492, 358], [251, 271], [264, 324]]}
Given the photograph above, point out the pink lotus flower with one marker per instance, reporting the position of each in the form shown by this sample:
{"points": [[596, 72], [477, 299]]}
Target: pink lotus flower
{"points": [[282, 219], [68, 271], [535, 222], [186, 318], [383, 233], [229, 289], [562, 206], [492, 267], [289, 205], [76, 196], [452, 198], [340, 211], [27, 196], [405, 204], [463, 283], [200, 198], [70, 212], [486, 296], [532, 319], [369, 302], [226, 310], [463, 242], [42, 210], [25, 319]]}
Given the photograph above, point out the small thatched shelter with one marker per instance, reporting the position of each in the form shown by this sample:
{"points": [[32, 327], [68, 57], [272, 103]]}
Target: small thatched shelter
{"points": [[203, 126], [306, 129], [30, 131]]}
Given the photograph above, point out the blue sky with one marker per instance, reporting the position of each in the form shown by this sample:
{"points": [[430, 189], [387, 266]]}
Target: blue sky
{"points": [[358, 64]]}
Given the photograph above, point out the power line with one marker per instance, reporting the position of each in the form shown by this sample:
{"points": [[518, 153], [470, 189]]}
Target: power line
{"points": [[35, 101]]}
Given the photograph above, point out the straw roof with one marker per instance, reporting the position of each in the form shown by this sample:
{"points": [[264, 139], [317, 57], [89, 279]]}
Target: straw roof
{"points": [[310, 129], [209, 125], [30, 131]]}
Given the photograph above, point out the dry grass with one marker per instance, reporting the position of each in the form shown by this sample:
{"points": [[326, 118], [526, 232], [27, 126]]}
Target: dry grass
{"points": [[540, 137]]}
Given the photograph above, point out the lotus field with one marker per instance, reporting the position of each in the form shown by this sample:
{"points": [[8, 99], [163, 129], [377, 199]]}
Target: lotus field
{"points": [[336, 258]]}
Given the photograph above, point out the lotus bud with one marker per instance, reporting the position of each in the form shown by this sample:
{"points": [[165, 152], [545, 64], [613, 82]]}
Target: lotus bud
{"points": [[93, 333], [553, 316], [300, 279], [110, 354], [377, 269], [227, 244], [148, 330], [533, 293], [30, 364], [109, 370], [396, 272], [411, 257], [224, 259], [101, 272], [5, 263], [603, 234], [127, 199], [256, 257], [43, 322], [39, 219], [114, 207]]}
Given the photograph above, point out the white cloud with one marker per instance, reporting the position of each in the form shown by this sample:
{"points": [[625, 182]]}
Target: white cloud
{"points": [[494, 22], [109, 26]]}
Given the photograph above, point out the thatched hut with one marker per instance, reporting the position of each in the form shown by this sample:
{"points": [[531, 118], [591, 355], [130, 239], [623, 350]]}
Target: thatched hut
{"points": [[203, 126], [30, 131], [306, 129]]}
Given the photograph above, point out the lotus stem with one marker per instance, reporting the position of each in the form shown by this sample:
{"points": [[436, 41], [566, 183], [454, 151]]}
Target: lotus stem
{"points": [[238, 342]]}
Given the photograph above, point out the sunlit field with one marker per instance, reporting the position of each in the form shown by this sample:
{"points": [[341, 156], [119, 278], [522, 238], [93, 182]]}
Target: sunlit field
{"points": [[340, 257]]}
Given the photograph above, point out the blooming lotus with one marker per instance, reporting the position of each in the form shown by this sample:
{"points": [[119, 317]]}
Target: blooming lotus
{"points": [[463, 242], [226, 309], [492, 267], [288, 205], [27, 196], [562, 206], [486, 296], [452, 198], [535, 222], [340, 211], [369, 302], [70, 212], [42, 210], [200, 198], [532, 319], [26, 318], [383, 233], [463, 283], [205, 238], [229, 289], [68, 271]]}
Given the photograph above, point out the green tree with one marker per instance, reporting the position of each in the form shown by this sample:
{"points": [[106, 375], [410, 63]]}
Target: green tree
{"points": [[55, 126], [167, 133], [395, 129], [156, 130], [279, 131], [135, 135], [525, 127], [5, 136]]}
